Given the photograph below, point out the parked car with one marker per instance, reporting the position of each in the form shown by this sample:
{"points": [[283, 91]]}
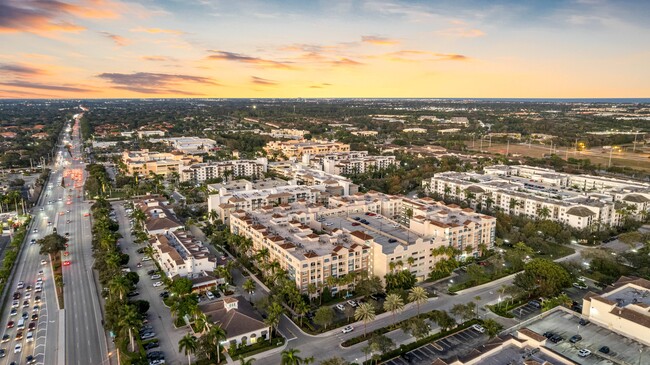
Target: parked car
{"points": [[478, 328], [157, 284], [535, 304], [557, 339], [155, 277], [353, 303], [575, 338], [348, 329], [584, 353], [580, 285], [340, 307]]}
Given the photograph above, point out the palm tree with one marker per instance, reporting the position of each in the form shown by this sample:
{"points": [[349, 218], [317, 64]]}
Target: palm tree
{"points": [[201, 322], [410, 261], [273, 316], [301, 309], [119, 286], [419, 296], [130, 321], [188, 344], [311, 290], [243, 361], [290, 357], [544, 213], [366, 313], [394, 304], [216, 334], [249, 286]]}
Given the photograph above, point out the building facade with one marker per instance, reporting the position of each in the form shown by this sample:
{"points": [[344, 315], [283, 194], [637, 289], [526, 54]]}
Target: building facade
{"points": [[201, 172]]}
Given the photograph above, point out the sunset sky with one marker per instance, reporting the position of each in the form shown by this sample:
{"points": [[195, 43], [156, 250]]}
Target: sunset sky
{"points": [[325, 48]]}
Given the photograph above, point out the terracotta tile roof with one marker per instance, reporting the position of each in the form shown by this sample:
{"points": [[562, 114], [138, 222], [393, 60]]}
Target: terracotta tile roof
{"points": [[361, 235], [532, 334]]}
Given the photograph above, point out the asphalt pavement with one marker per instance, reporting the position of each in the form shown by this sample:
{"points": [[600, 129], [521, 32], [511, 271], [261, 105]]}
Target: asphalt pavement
{"points": [[85, 338]]}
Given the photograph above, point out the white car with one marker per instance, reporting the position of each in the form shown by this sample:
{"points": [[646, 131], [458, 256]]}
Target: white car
{"points": [[347, 329], [146, 258], [30, 336], [21, 284], [584, 353], [43, 262], [209, 295], [157, 284], [478, 328], [340, 307], [18, 348]]}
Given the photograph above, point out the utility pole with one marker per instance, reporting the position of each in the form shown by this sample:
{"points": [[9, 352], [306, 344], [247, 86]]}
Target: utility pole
{"points": [[508, 147], [610, 157], [635, 134]]}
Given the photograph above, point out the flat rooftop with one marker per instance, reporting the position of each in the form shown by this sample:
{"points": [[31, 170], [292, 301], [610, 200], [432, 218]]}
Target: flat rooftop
{"points": [[622, 349], [513, 355], [629, 295]]}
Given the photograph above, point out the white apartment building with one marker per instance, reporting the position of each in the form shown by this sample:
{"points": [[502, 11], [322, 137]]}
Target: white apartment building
{"points": [[303, 175], [297, 148], [414, 130], [353, 162], [179, 254], [201, 172], [189, 145], [144, 162], [577, 200], [225, 202]]}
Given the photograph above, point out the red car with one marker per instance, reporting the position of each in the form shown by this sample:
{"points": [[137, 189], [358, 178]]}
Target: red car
{"points": [[10, 324], [66, 263], [66, 253]]}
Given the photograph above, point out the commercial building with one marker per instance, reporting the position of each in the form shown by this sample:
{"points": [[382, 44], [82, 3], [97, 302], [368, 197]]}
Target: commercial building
{"points": [[201, 172], [288, 133], [414, 130], [309, 176], [365, 133], [160, 218], [577, 200], [179, 254], [188, 145], [242, 324], [144, 162], [148, 134], [298, 148]]}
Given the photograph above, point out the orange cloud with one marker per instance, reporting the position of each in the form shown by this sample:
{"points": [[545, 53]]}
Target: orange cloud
{"points": [[419, 56], [263, 82], [20, 70], [118, 40], [379, 41], [156, 58], [345, 62], [261, 62], [157, 31], [155, 83]]}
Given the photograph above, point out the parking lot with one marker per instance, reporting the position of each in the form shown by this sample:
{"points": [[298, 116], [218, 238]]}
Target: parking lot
{"points": [[525, 312], [452, 345], [622, 349]]}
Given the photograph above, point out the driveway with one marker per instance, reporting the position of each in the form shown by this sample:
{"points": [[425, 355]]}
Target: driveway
{"points": [[159, 315]]}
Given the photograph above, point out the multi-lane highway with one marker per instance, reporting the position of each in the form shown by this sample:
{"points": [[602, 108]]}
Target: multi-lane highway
{"points": [[85, 339], [43, 342]]}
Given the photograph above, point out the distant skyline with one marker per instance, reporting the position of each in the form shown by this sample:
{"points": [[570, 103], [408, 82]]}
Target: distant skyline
{"points": [[288, 49]]}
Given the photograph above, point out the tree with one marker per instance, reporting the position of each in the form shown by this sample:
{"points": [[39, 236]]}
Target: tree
{"points": [[119, 286], [492, 327], [249, 286], [365, 312], [417, 327], [419, 296], [368, 285], [290, 357], [181, 286], [216, 334], [393, 304], [443, 319], [51, 244], [381, 344], [188, 344], [543, 277], [464, 311], [131, 322], [324, 316], [273, 315], [301, 309]]}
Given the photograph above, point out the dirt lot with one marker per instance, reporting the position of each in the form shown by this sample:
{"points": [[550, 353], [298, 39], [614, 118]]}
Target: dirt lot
{"points": [[639, 161]]}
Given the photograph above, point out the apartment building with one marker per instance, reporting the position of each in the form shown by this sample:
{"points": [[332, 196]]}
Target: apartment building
{"points": [[288, 133], [201, 172], [577, 200], [365, 133], [465, 230], [227, 201], [353, 162], [179, 254], [297, 148], [145, 162], [304, 175], [414, 130]]}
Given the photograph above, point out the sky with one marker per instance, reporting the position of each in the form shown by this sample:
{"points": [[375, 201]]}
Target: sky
{"points": [[324, 48]]}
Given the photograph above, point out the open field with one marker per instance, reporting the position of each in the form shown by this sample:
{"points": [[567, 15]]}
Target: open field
{"points": [[640, 161]]}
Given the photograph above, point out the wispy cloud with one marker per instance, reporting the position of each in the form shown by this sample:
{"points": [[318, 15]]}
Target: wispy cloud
{"points": [[412, 12], [33, 85], [18, 94], [460, 32], [157, 31], [345, 62], [262, 81], [257, 61], [319, 86], [21, 70], [155, 83], [419, 56], [117, 39], [157, 58], [379, 41]]}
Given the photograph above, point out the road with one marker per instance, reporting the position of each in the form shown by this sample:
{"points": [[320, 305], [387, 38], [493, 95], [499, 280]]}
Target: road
{"points": [[85, 338], [46, 345]]}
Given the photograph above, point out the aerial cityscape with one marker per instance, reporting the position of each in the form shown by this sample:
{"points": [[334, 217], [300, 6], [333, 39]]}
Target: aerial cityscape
{"points": [[352, 182]]}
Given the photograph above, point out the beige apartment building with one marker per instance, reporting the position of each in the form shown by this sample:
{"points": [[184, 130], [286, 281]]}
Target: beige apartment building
{"points": [[297, 148], [180, 254], [144, 162], [201, 172]]}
